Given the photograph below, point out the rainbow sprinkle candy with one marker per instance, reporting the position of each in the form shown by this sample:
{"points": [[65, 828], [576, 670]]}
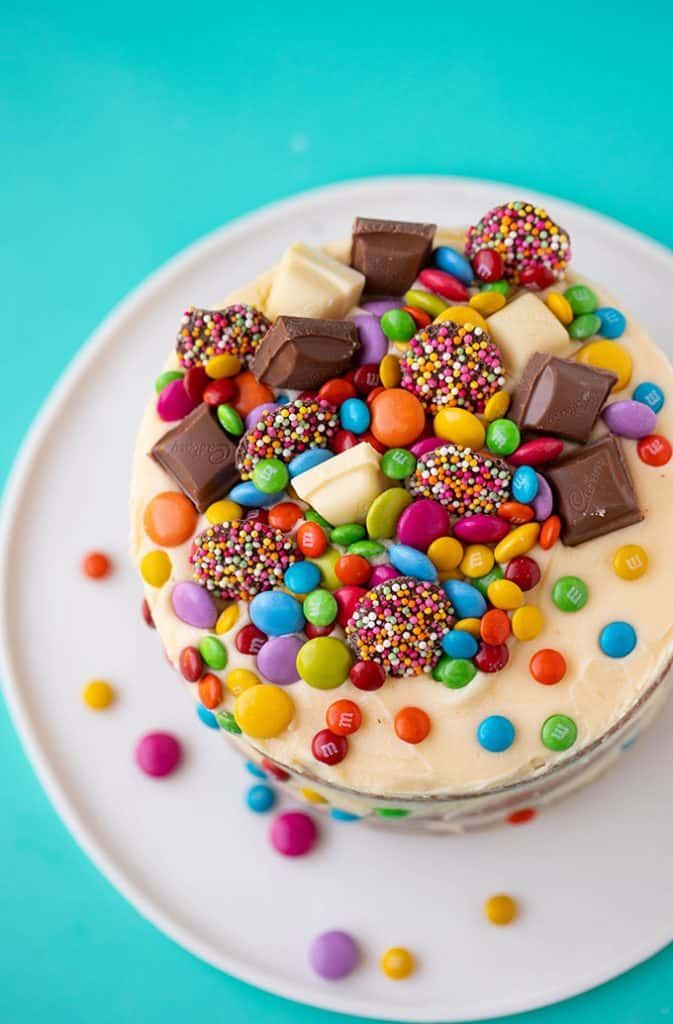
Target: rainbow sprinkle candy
{"points": [[399, 624], [465, 481], [524, 235], [235, 330], [286, 431], [240, 559], [450, 364]]}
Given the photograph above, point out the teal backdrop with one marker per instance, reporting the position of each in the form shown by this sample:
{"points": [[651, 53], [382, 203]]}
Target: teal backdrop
{"points": [[127, 130]]}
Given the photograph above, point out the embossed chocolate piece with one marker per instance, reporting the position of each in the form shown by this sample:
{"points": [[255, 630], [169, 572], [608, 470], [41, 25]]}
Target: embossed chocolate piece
{"points": [[302, 352], [199, 456], [390, 253], [560, 397], [593, 491]]}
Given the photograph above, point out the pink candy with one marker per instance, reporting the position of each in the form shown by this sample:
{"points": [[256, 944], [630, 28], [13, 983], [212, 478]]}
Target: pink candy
{"points": [[173, 402], [425, 445], [293, 834], [481, 529], [380, 573], [422, 522], [158, 754]]}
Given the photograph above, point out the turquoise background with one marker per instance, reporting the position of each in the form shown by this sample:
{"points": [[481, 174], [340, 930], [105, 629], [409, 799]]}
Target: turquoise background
{"points": [[129, 129]]}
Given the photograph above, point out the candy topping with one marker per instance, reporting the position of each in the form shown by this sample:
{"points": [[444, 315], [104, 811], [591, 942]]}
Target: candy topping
{"points": [[241, 559], [236, 330], [524, 236]]}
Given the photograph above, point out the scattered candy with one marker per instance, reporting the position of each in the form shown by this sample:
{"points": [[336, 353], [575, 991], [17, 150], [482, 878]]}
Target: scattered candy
{"points": [[260, 798], [343, 717], [629, 418], [293, 834], [525, 484], [412, 725], [570, 594], [649, 394], [630, 562], [465, 481], [655, 450], [98, 695], [460, 427], [324, 663], [193, 605], [397, 963], [500, 909], [547, 666], [397, 417], [263, 711], [329, 747], [286, 431], [334, 955], [96, 565], [608, 355], [169, 519], [158, 754], [503, 438]]}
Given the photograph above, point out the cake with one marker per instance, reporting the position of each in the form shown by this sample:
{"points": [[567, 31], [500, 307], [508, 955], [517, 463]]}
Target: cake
{"points": [[399, 508]]}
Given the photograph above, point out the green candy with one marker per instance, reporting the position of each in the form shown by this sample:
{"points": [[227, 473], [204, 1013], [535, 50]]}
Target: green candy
{"points": [[320, 608], [582, 327], [502, 437], [496, 286], [213, 652], [429, 303], [558, 732], [347, 534], [366, 548], [390, 812], [270, 476], [226, 721], [398, 325], [570, 593], [384, 512], [165, 378], [230, 420], [581, 299], [454, 672], [482, 583], [315, 517], [398, 463]]}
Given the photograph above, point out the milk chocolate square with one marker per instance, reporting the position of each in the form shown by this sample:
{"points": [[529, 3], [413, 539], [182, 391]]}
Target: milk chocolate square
{"points": [[302, 352], [560, 397], [199, 456], [390, 253], [593, 490]]}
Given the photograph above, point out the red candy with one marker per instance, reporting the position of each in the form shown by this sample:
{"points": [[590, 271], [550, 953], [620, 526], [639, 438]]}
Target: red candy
{"points": [[147, 614], [367, 675], [491, 657], [346, 599], [257, 515], [547, 666], [250, 640], [311, 540], [284, 516], [337, 391], [191, 664], [536, 277], [419, 316], [196, 380], [522, 816], [343, 440], [329, 748], [366, 378], [353, 569], [219, 392], [343, 717], [655, 450], [275, 770], [516, 513], [373, 441], [313, 631], [549, 533], [487, 265], [537, 451], [523, 571], [444, 284]]}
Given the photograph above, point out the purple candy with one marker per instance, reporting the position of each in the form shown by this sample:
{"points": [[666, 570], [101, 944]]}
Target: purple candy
{"points": [[373, 342], [254, 416], [543, 503], [293, 833], [333, 954], [381, 573], [158, 754], [193, 605], [380, 306], [427, 444], [173, 402], [481, 529], [422, 522], [629, 419], [277, 659]]}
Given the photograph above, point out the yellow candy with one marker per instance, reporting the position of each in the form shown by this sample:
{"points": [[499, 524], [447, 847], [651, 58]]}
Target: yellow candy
{"points": [[488, 302], [560, 307], [460, 427], [477, 562], [224, 511], [505, 594], [312, 797], [445, 553], [389, 371], [155, 568], [527, 622], [228, 619], [472, 626], [450, 574], [630, 562], [462, 315], [263, 711], [517, 542], [608, 355], [397, 963], [326, 563], [98, 695], [500, 909], [498, 404], [241, 679], [223, 366]]}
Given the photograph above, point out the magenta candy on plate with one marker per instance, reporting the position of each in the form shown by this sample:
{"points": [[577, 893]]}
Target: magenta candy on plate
{"points": [[193, 605], [480, 529], [381, 573], [629, 419], [537, 451], [543, 503], [158, 754], [173, 402], [334, 955], [293, 833], [373, 342], [425, 445], [277, 659], [422, 522]]}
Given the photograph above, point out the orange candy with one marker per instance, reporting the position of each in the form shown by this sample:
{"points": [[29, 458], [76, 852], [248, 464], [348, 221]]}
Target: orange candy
{"points": [[398, 418], [412, 725], [353, 569], [547, 666], [250, 394], [495, 627], [210, 691], [419, 316], [170, 519], [337, 391], [95, 565], [311, 540], [285, 516], [343, 717], [550, 532], [516, 513]]}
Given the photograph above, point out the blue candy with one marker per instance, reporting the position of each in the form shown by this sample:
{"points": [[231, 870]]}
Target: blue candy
{"points": [[459, 644], [354, 415], [496, 733], [617, 639], [246, 494], [411, 562], [649, 394], [308, 459], [207, 717], [468, 603], [343, 815], [276, 613], [453, 262], [613, 323], [282, 399], [255, 770], [525, 484], [302, 577], [260, 798]]}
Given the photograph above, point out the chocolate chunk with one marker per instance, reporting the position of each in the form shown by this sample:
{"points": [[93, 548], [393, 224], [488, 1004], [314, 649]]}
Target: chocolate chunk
{"points": [[199, 456], [390, 253], [560, 397], [302, 353], [593, 490]]}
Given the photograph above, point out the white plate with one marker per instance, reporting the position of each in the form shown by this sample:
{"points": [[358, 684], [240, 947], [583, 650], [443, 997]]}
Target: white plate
{"points": [[592, 875]]}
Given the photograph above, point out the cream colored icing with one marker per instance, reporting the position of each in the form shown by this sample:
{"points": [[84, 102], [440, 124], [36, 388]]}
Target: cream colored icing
{"points": [[596, 692]]}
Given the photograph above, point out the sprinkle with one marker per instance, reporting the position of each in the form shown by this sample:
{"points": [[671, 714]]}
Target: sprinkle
{"points": [[241, 559], [524, 235], [204, 333], [282, 433], [462, 480]]}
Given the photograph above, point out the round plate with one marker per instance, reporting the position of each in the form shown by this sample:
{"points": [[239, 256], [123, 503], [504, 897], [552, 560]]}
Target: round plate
{"points": [[185, 851]]}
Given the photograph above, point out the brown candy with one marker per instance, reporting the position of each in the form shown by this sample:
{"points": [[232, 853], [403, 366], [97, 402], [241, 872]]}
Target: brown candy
{"points": [[302, 353], [560, 397], [390, 253], [199, 456], [593, 490]]}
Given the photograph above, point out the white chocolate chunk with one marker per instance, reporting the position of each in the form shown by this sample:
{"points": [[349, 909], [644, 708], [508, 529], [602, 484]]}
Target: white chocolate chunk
{"points": [[343, 488], [524, 327], [308, 282]]}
